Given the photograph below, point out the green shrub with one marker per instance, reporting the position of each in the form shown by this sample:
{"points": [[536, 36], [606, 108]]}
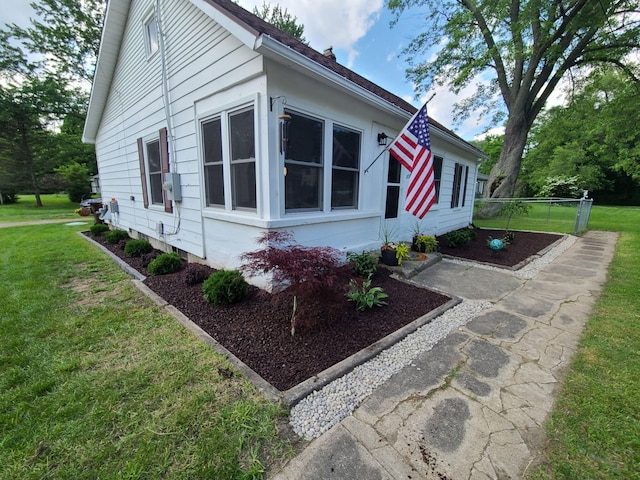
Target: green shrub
{"points": [[98, 229], [365, 296], [363, 264], [225, 287], [115, 236], [459, 238], [137, 248], [426, 243], [164, 264]]}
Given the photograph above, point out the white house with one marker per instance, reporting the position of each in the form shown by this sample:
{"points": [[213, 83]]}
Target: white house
{"points": [[212, 126]]}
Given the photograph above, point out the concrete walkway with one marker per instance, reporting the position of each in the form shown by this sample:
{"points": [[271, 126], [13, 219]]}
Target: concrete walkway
{"points": [[473, 407]]}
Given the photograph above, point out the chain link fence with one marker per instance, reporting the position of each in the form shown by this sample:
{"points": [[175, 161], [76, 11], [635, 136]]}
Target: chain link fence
{"points": [[551, 214]]}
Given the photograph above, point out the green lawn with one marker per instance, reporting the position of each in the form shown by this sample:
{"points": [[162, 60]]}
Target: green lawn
{"points": [[53, 207], [98, 382]]}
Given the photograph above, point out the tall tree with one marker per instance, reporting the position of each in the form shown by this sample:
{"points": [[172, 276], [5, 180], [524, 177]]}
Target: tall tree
{"points": [[281, 19], [590, 139], [46, 70], [516, 52]]}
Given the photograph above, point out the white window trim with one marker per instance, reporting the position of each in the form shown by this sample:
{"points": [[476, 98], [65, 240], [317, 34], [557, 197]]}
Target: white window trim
{"points": [[151, 16], [327, 171], [145, 143], [227, 212]]}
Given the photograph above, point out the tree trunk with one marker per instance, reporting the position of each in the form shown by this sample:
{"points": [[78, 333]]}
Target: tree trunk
{"points": [[504, 174]]}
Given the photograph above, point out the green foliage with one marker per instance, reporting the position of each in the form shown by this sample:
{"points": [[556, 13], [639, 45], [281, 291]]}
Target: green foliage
{"points": [[98, 229], [164, 264], [281, 19], [46, 70], [142, 381], [402, 251], [459, 238], [137, 247], [364, 295], [520, 48], [603, 152], [492, 146], [514, 207], [78, 183], [225, 287], [115, 236], [363, 264], [561, 186], [426, 243]]}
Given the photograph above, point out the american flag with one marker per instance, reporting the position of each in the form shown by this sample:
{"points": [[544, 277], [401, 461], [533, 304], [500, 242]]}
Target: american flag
{"points": [[412, 148]]}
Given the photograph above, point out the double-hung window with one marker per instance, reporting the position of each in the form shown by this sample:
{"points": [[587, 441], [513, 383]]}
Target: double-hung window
{"points": [[229, 160], [151, 35], [303, 161], [314, 178], [345, 168], [155, 172], [460, 177], [153, 154]]}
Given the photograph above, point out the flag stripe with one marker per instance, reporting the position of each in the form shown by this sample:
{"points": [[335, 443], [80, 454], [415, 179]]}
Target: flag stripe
{"points": [[412, 148]]}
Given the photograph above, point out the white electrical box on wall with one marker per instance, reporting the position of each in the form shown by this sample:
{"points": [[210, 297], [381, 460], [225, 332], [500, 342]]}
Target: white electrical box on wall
{"points": [[172, 186]]}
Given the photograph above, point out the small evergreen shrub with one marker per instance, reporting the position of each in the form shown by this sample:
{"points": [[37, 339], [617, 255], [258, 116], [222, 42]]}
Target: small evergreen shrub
{"points": [[116, 236], [195, 273], [225, 287], [98, 229], [137, 247], [363, 264], [164, 264], [459, 238]]}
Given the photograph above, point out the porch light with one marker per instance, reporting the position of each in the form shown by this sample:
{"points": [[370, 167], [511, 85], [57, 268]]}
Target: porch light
{"points": [[382, 139]]}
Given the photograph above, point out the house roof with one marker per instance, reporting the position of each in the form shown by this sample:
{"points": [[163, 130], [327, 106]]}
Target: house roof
{"points": [[257, 34]]}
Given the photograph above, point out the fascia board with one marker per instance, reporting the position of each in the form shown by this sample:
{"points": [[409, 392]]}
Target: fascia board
{"points": [[115, 21], [283, 54]]}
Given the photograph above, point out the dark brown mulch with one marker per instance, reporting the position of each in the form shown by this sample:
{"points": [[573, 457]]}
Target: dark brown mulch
{"points": [[524, 246], [258, 330]]}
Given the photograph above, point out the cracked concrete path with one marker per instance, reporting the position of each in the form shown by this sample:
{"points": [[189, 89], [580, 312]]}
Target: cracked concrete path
{"points": [[472, 407]]}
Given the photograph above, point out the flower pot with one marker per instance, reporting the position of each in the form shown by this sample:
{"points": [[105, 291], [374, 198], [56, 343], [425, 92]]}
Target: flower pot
{"points": [[388, 257]]}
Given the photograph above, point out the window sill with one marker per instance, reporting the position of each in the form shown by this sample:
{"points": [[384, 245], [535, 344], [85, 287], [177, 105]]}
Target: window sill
{"points": [[290, 219]]}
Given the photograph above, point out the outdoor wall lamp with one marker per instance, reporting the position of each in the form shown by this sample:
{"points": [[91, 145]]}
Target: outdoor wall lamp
{"points": [[284, 120], [382, 139]]}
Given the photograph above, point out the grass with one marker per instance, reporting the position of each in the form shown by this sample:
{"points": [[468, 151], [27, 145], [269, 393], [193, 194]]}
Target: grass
{"points": [[542, 217], [98, 382], [594, 430], [54, 206]]}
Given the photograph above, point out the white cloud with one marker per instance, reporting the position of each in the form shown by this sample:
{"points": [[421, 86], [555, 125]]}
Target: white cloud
{"points": [[336, 23]]}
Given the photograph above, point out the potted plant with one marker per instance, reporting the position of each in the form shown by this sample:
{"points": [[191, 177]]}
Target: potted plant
{"points": [[424, 244], [402, 251]]}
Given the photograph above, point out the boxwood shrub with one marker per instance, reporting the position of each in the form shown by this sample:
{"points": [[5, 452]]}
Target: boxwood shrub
{"points": [[137, 247], [225, 287], [164, 264], [98, 229], [115, 236]]}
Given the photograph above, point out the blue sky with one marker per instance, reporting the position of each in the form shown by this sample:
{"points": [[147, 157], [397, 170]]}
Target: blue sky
{"points": [[363, 40]]}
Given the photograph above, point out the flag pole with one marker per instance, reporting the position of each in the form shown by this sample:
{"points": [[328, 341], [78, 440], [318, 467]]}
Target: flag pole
{"points": [[387, 147], [376, 159]]}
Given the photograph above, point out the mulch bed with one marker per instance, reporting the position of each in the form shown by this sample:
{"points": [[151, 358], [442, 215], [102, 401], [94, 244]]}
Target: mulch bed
{"points": [[524, 246], [258, 330]]}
